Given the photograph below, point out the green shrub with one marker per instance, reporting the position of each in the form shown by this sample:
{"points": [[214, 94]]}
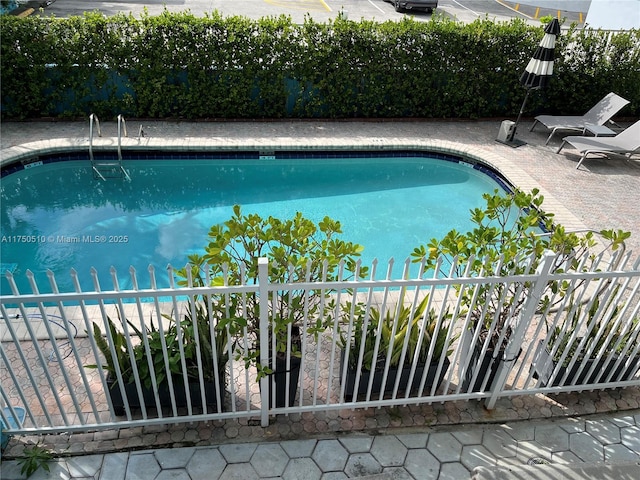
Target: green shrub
{"points": [[180, 65], [299, 251]]}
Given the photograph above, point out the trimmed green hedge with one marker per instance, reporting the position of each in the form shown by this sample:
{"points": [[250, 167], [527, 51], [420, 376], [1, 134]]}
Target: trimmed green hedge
{"points": [[179, 65]]}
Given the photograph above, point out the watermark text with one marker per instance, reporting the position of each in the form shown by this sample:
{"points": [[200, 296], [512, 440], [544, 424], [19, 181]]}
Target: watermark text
{"points": [[64, 239]]}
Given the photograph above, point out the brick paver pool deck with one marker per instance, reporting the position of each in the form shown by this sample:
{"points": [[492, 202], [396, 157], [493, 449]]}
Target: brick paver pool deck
{"points": [[603, 193]]}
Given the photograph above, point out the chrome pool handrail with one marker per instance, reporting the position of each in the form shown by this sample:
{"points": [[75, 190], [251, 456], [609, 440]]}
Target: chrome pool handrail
{"points": [[122, 125], [93, 118]]}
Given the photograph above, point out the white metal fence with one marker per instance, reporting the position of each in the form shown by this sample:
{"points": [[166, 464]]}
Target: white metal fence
{"points": [[189, 353]]}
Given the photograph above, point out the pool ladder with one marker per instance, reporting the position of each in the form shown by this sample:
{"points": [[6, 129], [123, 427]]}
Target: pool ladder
{"points": [[107, 168]]}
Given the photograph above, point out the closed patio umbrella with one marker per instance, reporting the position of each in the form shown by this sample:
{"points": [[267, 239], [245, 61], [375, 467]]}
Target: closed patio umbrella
{"points": [[538, 71]]}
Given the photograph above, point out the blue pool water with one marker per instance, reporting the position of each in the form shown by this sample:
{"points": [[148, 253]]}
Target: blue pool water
{"points": [[57, 216]]}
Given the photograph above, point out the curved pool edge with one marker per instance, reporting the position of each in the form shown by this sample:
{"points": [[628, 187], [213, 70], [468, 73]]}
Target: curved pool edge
{"points": [[483, 155]]}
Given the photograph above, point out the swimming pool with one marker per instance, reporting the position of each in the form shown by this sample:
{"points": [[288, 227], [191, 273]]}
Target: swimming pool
{"points": [[56, 215]]}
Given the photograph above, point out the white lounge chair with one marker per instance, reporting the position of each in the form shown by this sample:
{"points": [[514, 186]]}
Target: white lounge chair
{"points": [[592, 121], [626, 142]]}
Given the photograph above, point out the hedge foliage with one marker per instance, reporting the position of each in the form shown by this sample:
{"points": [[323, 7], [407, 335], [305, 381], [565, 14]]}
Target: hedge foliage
{"points": [[180, 65]]}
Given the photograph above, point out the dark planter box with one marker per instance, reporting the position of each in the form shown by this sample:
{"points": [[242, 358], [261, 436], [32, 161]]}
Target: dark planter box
{"points": [[403, 385], [489, 363], [544, 365], [210, 390], [280, 379]]}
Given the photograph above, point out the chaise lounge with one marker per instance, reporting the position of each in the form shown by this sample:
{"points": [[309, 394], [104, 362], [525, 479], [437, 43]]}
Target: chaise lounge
{"points": [[593, 121], [626, 142]]}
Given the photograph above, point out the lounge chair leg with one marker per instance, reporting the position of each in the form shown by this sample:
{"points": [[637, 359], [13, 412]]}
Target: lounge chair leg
{"points": [[561, 146], [553, 132], [581, 160], [535, 122]]}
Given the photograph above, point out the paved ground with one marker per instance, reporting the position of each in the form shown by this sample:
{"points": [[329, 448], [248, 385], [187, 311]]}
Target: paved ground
{"points": [[436, 453], [320, 10], [603, 193], [448, 440]]}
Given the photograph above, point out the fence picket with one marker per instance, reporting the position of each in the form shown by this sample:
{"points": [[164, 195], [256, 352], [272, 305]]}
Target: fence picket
{"points": [[80, 401]]}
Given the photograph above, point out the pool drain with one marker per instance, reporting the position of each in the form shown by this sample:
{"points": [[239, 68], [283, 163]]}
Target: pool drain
{"points": [[538, 461]]}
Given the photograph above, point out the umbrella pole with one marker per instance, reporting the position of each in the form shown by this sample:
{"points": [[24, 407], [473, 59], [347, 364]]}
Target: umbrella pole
{"points": [[515, 125]]}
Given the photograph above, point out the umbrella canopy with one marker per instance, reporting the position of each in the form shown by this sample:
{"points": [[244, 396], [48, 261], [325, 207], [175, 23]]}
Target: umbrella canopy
{"points": [[540, 67], [538, 72]]}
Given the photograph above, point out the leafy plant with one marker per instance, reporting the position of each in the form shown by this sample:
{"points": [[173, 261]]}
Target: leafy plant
{"points": [[122, 359], [35, 457], [546, 19], [201, 329], [375, 334], [510, 237], [602, 334], [298, 251]]}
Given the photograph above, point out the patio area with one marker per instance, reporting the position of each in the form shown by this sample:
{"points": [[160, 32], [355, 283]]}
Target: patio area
{"points": [[603, 193]]}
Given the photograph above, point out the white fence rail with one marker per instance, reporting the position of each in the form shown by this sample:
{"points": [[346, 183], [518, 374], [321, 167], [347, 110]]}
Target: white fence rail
{"points": [[190, 353]]}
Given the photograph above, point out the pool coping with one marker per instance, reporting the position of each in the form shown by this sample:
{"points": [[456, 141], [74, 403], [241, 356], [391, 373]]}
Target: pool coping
{"points": [[504, 166]]}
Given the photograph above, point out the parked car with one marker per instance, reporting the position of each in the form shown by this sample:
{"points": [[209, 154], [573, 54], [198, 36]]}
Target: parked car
{"points": [[426, 5]]}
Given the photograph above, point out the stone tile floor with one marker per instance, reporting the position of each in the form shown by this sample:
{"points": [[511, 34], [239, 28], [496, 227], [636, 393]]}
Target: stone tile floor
{"points": [[603, 193], [432, 453]]}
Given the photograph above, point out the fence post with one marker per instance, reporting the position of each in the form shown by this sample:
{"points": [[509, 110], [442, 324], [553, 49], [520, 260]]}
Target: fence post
{"points": [[263, 339], [515, 343]]}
